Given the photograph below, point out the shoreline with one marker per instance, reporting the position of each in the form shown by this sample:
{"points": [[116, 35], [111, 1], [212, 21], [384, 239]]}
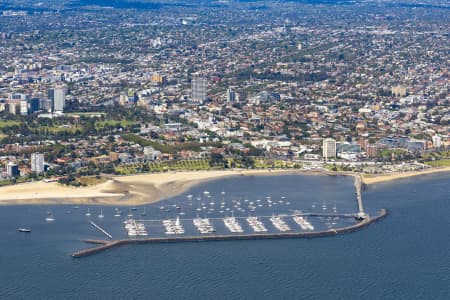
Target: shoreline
{"points": [[148, 188], [380, 178], [129, 190]]}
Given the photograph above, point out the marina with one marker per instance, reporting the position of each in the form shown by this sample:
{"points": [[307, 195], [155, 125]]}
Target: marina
{"points": [[256, 224], [233, 225], [104, 245], [278, 222], [304, 224], [203, 225], [135, 228], [322, 219], [173, 226]]}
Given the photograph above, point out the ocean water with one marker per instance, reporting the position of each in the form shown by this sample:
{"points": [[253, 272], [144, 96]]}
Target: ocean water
{"points": [[404, 256]]}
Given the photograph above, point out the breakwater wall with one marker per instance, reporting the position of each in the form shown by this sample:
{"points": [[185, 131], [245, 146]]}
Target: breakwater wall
{"points": [[104, 245]]}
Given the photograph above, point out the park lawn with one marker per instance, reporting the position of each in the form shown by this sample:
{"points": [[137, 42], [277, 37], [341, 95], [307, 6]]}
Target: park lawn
{"points": [[164, 166], [388, 152], [439, 163], [8, 123], [56, 129], [115, 123]]}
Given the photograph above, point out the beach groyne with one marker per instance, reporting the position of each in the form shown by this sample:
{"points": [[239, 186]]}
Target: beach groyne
{"points": [[105, 245]]}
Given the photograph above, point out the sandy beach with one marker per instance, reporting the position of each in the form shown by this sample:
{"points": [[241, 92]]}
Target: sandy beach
{"points": [[395, 176], [148, 188], [122, 190]]}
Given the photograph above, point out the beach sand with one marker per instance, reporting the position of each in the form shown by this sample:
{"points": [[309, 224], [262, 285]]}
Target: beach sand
{"points": [[123, 190], [395, 176]]}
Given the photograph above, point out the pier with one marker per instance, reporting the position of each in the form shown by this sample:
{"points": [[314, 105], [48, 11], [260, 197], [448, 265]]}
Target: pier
{"points": [[358, 187], [104, 245], [101, 229]]}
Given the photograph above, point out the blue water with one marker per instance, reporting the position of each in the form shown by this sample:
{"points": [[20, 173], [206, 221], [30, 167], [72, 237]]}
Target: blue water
{"points": [[405, 256]]}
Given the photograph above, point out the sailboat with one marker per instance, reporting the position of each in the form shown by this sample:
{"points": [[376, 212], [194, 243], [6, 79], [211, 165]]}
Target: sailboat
{"points": [[118, 213], [50, 217], [144, 213], [130, 214], [88, 213], [101, 216]]}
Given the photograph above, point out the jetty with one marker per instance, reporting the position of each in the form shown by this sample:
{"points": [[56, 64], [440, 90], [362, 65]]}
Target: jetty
{"points": [[101, 229], [358, 187], [105, 245]]}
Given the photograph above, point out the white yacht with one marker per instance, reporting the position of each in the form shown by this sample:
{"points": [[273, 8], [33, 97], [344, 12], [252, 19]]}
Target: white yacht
{"points": [[256, 224], [278, 222], [304, 224], [233, 225]]}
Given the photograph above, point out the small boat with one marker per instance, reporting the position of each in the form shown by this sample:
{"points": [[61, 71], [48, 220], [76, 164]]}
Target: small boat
{"points": [[26, 230], [101, 216], [117, 213], [144, 213], [49, 218], [88, 213]]}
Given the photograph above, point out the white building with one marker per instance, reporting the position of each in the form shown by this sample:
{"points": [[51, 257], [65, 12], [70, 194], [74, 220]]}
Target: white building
{"points": [[199, 89], [437, 141], [37, 162], [24, 107], [151, 154], [12, 170], [59, 99], [329, 148]]}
